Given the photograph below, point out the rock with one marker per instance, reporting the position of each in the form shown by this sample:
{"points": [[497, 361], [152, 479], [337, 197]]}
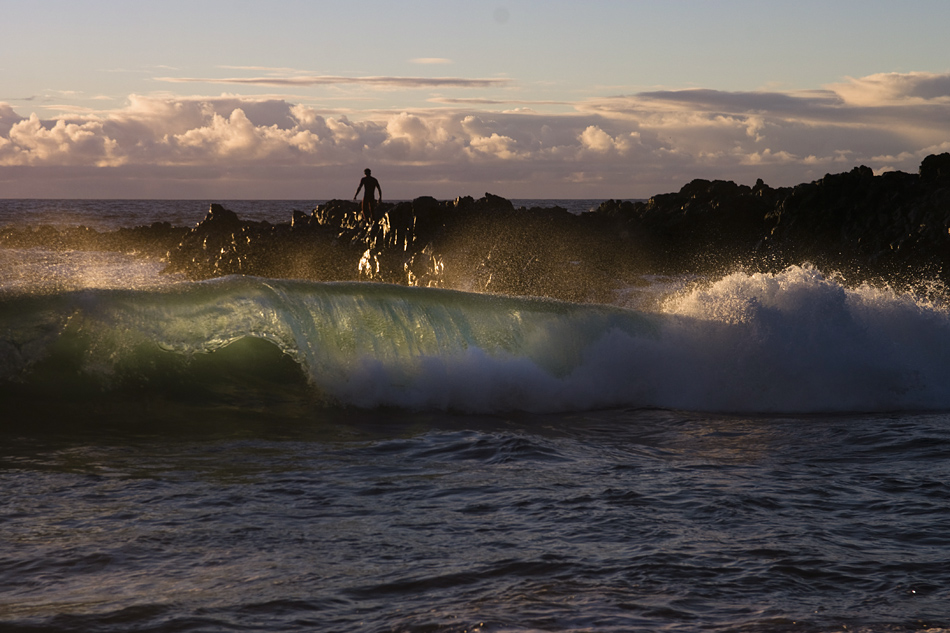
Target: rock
{"points": [[491, 202], [219, 219], [464, 201], [338, 214], [300, 220], [850, 222], [935, 168]]}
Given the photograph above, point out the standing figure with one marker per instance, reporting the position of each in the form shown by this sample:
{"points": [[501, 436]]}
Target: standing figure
{"points": [[369, 185]]}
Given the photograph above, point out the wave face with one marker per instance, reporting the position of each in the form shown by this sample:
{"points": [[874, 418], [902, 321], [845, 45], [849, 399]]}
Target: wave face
{"points": [[791, 342]]}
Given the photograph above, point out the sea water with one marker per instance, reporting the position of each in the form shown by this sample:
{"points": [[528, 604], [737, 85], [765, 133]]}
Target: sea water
{"points": [[112, 214], [753, 452]]}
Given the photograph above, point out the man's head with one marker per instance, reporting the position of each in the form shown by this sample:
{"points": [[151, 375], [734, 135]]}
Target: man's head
{"points": [[367, 171]]}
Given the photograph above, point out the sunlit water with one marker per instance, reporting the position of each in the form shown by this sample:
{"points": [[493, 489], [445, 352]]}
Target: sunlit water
{"points": [[750, 453], [385, 521], [104, 215]]}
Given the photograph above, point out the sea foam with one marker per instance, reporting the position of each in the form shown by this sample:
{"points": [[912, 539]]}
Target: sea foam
{"points": [[795, 341]]}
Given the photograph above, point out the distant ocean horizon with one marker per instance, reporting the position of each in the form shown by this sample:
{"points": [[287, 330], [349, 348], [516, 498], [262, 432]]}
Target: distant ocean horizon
{"points": [[742, 453], [113, 213]]}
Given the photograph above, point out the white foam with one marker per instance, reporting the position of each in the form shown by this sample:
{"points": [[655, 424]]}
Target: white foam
{"points": [[790, 342], [41, 270]]}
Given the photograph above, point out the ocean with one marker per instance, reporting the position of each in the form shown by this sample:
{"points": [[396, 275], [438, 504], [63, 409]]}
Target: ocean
{"points": [[748, 452]]}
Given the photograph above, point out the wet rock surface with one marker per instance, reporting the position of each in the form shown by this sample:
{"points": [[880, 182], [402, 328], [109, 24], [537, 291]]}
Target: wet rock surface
{"points": [[853, 222], [153, 240]]}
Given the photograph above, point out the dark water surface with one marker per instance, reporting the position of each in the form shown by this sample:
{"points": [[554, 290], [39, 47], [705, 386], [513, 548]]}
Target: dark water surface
{"points": [[168, 518], [249, 454], [107, 215]]}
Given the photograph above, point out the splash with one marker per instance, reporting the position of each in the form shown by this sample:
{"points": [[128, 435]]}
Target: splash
{"points": [[801, 341], [795, 341], [38, 270]]}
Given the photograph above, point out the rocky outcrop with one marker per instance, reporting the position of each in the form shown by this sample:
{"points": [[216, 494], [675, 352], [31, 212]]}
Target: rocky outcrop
{"points": [[222, 244], [485, 245], [152, 241], [853, 222]]}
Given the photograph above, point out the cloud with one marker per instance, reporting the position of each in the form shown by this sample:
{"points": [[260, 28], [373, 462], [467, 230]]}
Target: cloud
{"points": [[334, 80], [466, 101], [431, 60], [744, 102], [8, 117], [596, 140], [625, 146], [478, 101], [236, 138], [282, 70], [895, 88], [30, 142]]}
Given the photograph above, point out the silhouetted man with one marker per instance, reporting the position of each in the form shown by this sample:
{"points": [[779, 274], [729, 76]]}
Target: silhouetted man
{"points": [[369, 185]]}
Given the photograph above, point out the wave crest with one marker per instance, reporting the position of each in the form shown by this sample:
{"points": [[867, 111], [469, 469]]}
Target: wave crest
{"points": [[790, 342]]}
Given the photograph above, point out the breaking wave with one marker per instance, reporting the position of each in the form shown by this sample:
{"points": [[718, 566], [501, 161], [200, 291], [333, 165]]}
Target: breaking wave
{"points": [[796, 341]]}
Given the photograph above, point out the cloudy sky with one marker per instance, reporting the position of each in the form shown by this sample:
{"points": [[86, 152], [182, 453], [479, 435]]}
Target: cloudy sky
{"points": [[546, 99]]}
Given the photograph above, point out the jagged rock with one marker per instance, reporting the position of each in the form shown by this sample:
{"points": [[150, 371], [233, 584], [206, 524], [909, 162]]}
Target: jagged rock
{"points": [[492, 202], [852, 221], [218, 219], [153, 240], [300, 220], [935, 167]]}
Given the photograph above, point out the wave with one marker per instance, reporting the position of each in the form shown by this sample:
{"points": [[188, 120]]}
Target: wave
{"points": [[759, 343]]}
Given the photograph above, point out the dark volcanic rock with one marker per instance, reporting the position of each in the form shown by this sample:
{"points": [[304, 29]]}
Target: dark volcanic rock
{"points": [[487, 245], [935, 167], [858, 220], [151, 241], [854, 222], [224, 245], [706, 221]]}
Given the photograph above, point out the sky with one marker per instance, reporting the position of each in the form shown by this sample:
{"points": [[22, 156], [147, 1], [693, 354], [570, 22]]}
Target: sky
{"points": [[208, 99]]}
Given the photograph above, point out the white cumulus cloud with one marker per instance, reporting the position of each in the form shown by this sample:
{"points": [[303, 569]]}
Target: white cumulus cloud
{"points": [[637, 145]]}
